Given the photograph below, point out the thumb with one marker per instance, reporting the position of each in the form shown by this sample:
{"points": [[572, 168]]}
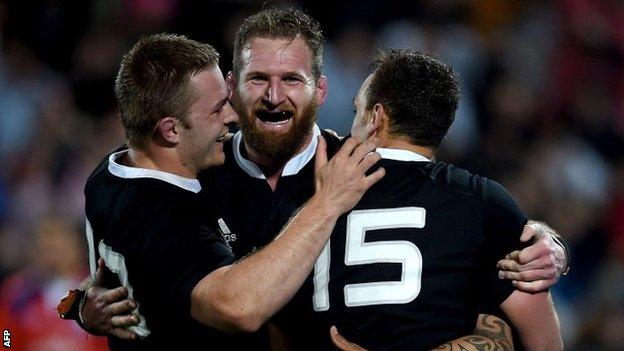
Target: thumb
{"points": [[528, 232], [320, 159], [341, 343], [98, 279]]}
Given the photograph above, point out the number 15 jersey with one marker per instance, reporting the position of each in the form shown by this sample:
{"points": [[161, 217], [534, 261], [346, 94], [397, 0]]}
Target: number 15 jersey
{"points": [[412, 265]]}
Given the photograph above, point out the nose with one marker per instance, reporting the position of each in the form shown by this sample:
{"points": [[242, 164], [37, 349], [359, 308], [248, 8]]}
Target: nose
{"points": [[231, 117], [275, 92]]}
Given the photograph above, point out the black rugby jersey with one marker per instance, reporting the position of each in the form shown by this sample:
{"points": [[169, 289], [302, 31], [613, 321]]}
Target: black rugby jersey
{"points": [[157, 236], [412, 265], [247, 206]]}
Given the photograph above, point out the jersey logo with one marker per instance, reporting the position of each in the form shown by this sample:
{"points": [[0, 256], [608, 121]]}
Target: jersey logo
{"points": [[226, 233]]}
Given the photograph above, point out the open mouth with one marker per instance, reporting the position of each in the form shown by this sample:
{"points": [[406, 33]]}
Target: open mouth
{"points": [[274, 116]]}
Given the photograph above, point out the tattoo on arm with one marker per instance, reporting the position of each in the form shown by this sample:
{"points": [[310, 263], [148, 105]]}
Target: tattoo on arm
{"points": [[491, 334]]}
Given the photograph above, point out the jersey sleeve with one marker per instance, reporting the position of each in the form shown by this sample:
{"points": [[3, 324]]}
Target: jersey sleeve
{"points": [[504, 221], [178, 252]]}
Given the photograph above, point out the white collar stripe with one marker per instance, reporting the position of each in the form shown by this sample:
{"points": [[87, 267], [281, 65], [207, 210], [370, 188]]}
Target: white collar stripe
{"points": [[401, 155], [292, 167], [126, 172]]}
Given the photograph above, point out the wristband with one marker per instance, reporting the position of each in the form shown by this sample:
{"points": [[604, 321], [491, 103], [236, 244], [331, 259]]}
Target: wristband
{"points": [[69, 306]]}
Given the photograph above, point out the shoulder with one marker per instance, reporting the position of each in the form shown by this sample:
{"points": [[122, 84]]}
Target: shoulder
{"points": [[334, 142], [455, 179]]}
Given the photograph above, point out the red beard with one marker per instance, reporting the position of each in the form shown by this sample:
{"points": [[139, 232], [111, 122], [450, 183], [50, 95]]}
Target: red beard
{"points": [[275, 145]]}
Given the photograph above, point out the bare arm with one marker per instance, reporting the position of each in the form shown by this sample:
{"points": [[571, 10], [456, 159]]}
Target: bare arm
{"points": [[490, 333], [242, 296], [534, 316]]}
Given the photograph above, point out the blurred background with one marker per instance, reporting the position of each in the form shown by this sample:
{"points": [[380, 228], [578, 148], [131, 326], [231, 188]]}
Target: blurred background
{"points": [[542, 111]]}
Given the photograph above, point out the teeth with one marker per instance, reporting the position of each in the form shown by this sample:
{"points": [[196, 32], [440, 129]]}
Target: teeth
{"points": [[277, 123]]}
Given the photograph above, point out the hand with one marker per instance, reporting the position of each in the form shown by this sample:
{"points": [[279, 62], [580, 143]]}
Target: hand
{"points": [[341, 343], [108, 312], [537, 267], [341, 182]]}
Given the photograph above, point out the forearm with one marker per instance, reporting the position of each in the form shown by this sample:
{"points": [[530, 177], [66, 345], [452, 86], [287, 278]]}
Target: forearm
{"points": [[253, 289], [534, 317], [491, 333]]}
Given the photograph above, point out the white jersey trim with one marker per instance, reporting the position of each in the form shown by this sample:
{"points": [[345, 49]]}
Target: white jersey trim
{"points": [[292, 167], [401, 155], [122, 171]]}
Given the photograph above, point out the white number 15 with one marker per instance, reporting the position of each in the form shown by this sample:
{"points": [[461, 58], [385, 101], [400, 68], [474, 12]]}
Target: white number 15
{"points": [[359, 252]]}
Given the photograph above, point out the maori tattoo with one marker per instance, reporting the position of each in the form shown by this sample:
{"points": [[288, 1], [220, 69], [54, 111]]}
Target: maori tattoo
{"points": [[490, 334]]}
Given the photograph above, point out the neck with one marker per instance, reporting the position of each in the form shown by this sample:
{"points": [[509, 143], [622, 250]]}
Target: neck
{"points": [[402, 144], [272, 168], [158, 159]]}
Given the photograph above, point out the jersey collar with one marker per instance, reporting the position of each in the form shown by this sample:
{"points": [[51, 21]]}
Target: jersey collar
{"points": [[401, 155], [293, 166], [122, 171]]}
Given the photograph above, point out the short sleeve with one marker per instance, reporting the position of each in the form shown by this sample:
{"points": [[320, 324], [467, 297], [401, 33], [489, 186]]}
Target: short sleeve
{"points": [[504, 221]]}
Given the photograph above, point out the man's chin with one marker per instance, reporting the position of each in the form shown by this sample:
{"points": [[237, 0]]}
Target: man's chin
{"points": [[215, 160]]}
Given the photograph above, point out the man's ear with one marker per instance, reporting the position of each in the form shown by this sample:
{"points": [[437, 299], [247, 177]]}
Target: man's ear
{"points": [[167, 130], [321, 90], [378, 119], [230, 80]]}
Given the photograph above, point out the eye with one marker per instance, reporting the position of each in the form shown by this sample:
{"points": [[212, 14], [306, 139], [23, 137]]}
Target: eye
{"points": [[292, 79], [257, 79]]}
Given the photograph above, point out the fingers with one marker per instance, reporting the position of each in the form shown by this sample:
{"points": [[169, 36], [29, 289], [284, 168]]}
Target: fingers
{"points": [[114, 295], [533, 252], [534, 286], [369, 161], [121, 307], [347, 148], [341, 343], [513, 255], [532, 231], [321, 153], [528, 276], [509, 265], [364, 149], [374, 177], [542, 262], [527, 233], [124, 321], [124, 334]]}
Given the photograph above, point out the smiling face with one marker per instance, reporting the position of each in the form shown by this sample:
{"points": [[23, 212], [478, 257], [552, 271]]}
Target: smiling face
{"points": [[277, 97], [208, 119]]}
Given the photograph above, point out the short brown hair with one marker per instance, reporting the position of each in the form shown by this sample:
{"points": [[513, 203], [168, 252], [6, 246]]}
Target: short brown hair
{"points": [[420, 93], [153, 82], [280, 24]]}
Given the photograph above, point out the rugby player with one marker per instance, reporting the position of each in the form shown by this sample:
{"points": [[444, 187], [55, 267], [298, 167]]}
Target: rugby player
{"points": [[146, 219], [277, 86], [414, 263]]}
